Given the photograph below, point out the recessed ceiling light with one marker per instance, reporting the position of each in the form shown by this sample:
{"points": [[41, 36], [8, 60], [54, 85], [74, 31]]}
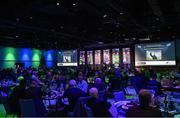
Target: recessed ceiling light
{"points": [[105, 15], [169, 27], [173, 36], [134, 38], [61, 27], [157, 18], [74, 4], [121, 13], [144, 39], [17, 19], [57, 3], [100, 42]]}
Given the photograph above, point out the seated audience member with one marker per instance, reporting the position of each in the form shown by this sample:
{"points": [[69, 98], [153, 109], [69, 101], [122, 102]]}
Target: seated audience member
{"points": [[19, 92], [154, 83], [73, 94], [99, 107], [35, 93], [61, 80], [99, 84], [137, 82], [35, 78], [144, 109], [82, 84]]}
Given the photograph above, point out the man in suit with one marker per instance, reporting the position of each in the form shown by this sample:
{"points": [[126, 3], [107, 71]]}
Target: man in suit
{"points": [[99, 107], [35, 93], [155, 83], [19, 92], [153, 56], [73, 94]]}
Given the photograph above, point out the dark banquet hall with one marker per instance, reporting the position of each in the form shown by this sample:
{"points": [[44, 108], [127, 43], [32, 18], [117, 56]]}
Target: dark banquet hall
{"points": [[90, 58]]}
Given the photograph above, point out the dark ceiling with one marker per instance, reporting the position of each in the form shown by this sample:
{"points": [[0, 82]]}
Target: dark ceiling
{"points": [[60, 24]]}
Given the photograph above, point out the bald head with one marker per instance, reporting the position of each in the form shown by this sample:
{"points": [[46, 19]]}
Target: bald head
{"points": [[97, 80], [93, 92], [72, 83]]}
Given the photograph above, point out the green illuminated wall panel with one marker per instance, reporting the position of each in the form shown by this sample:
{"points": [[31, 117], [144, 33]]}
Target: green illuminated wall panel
{"points": [[31, 57]]}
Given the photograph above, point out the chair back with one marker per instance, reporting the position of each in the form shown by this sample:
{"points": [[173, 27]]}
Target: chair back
{"points": [[88, 110], [27, 108], [102, 95], [6, 104], [119, 96], [79, 110], [115, 84], [153, 89]]}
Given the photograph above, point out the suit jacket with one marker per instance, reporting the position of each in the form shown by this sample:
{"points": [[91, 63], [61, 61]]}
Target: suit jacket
{"points": [[99, 107], [36, 94]]}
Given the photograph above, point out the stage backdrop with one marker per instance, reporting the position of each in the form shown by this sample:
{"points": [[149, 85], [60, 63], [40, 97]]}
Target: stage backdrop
{"points": [[30, 57]]}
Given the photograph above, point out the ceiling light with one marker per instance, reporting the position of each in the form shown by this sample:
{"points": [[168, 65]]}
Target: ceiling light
{"points": [[17, 19], [157, 18], [74, 4], [105, 15], [100, 42], [145, 39], [173, 36], [61, 27], [57, 4], [134, 38], [121, 13]]}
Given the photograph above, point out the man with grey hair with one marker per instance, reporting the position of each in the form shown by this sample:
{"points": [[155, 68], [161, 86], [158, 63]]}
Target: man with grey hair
{"points": [[73, 94]]}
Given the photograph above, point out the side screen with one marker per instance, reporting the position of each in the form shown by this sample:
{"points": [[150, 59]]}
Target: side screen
{"points": [[162, 53]]}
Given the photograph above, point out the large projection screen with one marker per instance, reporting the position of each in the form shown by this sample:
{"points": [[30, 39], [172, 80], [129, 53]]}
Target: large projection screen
{"points": [[67, 58], [155, 54]]}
